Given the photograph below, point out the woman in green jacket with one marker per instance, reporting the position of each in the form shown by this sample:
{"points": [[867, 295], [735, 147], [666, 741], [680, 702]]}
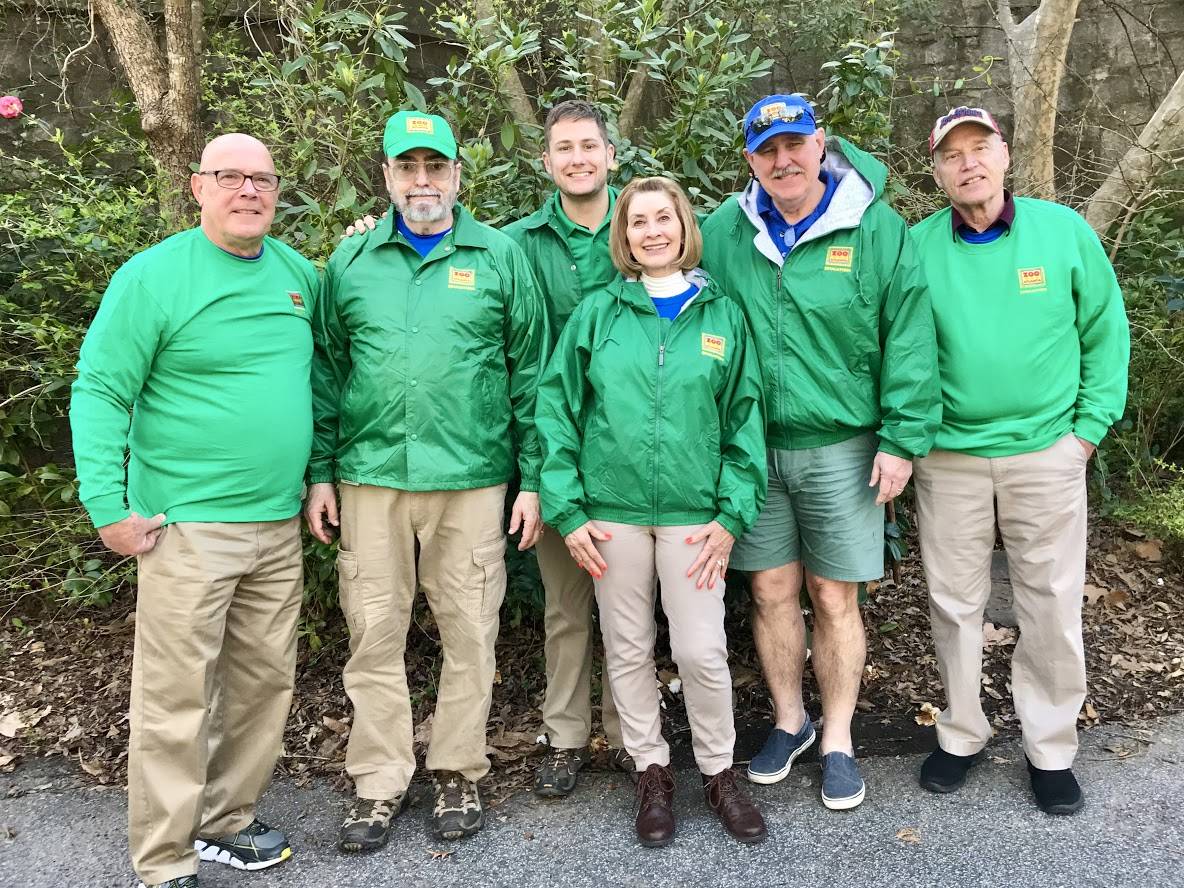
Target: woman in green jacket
{"points": [[652, 424]]}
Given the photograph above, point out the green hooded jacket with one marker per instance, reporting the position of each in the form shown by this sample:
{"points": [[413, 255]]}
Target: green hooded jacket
{"points": [[542, 238], [843, 325], [653, 422], [425, 370]]}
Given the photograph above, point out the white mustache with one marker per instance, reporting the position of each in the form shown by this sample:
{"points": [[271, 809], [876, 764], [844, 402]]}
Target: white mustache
{"points": [[423, 192], [785, 171]]}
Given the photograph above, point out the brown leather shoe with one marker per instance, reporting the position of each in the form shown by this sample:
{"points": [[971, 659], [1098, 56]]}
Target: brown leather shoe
{"points": [[735, 810], [655, 807]]}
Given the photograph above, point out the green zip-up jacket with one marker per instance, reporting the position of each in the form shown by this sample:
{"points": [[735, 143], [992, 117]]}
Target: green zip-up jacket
{"points": [[653, 422], [843, 325], [425, 369], [564, 283]]}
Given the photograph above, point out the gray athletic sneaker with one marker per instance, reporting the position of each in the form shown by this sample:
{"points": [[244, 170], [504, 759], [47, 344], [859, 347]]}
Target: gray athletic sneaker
{"points": [[254, 847]]}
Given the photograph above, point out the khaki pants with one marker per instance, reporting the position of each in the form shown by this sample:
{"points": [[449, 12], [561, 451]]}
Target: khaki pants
{"points": [[461, 569], [212, 679], [567, 708], [1041, 504], [626, 595]]}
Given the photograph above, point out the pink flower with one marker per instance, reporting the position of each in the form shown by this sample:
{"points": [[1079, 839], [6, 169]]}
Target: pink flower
{"points": [[10, 107]]}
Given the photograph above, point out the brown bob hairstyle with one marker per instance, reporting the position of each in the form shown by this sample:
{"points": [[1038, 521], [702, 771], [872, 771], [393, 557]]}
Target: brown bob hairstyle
{"points": [[692, 241]]}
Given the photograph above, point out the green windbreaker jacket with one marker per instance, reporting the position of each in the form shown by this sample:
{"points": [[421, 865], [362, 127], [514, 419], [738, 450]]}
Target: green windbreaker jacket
{"points": [[843, 325], [541, 237], [653, 422], [425, 370]]}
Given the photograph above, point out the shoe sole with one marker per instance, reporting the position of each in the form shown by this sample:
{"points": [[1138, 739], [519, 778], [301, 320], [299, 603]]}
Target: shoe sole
{"points": [[212, 854], [656, 843], [452, 834], [1065, 809], [358, 847], [934, 786], [554, 792], [844, 804], [778, 776]]}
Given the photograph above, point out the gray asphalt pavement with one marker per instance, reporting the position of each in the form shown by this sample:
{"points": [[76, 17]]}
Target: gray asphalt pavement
{"points": [[57, 831]]}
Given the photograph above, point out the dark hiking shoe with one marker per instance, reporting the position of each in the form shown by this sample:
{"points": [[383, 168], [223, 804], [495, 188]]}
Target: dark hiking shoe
{"points": [[255, 847], [1057, 792], [735, 810], [182, 882], [368, 824], [944, 772], [458, 811], [619, 759], [654, 820], [557, 772], [778, 754]]}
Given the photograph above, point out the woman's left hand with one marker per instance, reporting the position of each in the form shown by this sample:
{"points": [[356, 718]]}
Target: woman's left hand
{"points": [[712, 562]]}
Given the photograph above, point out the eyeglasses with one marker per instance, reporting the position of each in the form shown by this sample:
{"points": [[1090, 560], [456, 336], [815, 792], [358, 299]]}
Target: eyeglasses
{"points": [[437, 170], [791, 115], [235, 179]]}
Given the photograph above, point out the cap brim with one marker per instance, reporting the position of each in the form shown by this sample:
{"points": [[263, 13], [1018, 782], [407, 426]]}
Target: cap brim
{"points": [[798, 128], [957, 123]]}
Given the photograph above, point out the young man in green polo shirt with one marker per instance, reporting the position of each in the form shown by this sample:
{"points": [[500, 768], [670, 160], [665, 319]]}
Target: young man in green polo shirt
{"points": [[1033, 348], [429, 341], [196, 369], [566, 241]]}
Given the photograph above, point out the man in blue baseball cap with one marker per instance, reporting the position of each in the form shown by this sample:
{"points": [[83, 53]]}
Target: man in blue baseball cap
{"points": [[826, 274]]}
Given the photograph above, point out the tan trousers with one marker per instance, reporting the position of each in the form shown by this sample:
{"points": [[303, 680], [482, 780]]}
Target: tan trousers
{"points": [[626, 595], [567, 708], [1041, 505], [462, 572], [212, 674]]}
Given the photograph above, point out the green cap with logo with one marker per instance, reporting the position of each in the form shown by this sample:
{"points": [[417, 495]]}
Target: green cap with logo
{"points": [[411, 129]]}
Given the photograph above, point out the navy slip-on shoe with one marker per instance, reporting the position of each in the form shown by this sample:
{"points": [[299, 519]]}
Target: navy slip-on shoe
{"points": [[777, 756]]}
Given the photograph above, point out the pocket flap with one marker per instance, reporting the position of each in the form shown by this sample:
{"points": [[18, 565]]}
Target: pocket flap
{"points": [[347, 564], [489, 553]]}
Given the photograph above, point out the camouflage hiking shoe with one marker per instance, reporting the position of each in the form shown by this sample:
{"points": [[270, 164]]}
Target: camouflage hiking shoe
{"points": [[619, 759], [458, 812], [557, 772], [255, 847], [182, 882], [368, 824]]}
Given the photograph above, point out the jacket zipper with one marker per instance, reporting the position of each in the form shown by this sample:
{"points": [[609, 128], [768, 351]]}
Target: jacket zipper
{"points": [[662, 339], [776, 407]]}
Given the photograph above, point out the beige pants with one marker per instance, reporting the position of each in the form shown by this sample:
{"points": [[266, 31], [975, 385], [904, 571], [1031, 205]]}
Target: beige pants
{"points": [[626, 595], [462, 572], [567, 708], [212, 678], [1041, 503]]}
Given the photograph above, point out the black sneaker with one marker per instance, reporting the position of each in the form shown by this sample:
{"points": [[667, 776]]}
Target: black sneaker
{"points": [[368, 824], [181, 882], [255, 847], [1057, 792], [944, 772], [458, 811], [557, 772]]}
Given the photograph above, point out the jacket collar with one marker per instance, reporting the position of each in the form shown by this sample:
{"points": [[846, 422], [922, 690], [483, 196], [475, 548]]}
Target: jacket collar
{"points": [[545, 215], [632, 291], [466, 231]]}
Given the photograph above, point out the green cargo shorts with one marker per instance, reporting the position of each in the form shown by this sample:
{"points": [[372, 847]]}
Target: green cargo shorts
{"points": [[820, 511]]}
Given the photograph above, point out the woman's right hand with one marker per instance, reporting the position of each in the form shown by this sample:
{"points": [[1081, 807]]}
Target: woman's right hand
{"points": [[583, 550]]}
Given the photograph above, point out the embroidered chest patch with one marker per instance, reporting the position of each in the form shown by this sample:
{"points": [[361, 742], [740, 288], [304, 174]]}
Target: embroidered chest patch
{"points": [[1032, 280], [714, 346], [839, 259], [297, 300], [462, 278]]}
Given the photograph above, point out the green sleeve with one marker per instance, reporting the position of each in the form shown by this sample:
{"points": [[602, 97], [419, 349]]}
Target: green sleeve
{"points": [[115, 360], [744, 474], [331, 366], [910, 389], [563, 393], [1105, 340], [528, 340]]}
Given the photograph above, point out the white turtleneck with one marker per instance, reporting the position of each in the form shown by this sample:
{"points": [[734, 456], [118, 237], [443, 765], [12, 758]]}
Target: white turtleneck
{"points": [[666, 286]]}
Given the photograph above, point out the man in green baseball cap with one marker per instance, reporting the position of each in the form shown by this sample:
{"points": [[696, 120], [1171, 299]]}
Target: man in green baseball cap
{"points": [[424, 376]]}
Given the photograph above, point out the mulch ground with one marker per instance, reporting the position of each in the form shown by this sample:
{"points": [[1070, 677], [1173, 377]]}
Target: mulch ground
{"points": [[64, 681]]}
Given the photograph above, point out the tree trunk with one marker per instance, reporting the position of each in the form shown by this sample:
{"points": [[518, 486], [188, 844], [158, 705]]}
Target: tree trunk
{"points": [[509, 82], [1157, 148], [166, 89], [1036, 58], [638, 81]]}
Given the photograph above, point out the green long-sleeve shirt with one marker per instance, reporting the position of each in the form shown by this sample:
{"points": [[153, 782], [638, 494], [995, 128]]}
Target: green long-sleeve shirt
{"points": [[1033, 341], [196, 368], [426, 367]]}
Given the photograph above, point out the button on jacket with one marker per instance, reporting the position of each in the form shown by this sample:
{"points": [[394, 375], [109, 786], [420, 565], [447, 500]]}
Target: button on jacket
{"points": [[425, 369]]}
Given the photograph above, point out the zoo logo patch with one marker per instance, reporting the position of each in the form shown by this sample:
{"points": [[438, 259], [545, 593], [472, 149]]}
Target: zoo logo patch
{"points": [[421, 125], [1032, 280], [462, 278], [714, 346], [297, 300], [839, 259]]}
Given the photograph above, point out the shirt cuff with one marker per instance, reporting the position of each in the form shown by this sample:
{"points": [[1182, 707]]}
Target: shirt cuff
{"points": [[887, 446], [107, 509]]}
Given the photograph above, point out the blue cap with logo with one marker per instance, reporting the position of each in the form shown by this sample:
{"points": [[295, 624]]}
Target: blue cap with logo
{"points": [[774, 115]]}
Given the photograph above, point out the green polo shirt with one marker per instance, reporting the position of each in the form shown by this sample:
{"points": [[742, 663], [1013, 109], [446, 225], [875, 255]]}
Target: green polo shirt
{"points": [[569, 260], [425, 368]]}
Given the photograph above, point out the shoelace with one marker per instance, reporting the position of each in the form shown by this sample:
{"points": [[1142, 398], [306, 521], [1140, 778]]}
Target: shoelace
{"points": [[655, 781]]}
